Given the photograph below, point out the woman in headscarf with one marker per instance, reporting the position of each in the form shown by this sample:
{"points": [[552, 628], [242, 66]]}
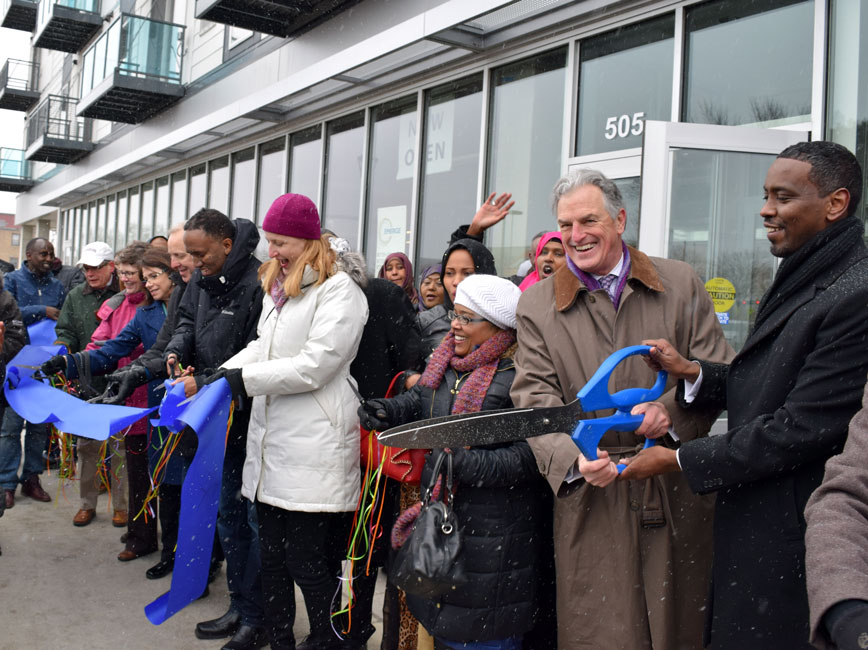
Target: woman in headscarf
{"points": [[549, 257], [430, 288], [398, 269]]}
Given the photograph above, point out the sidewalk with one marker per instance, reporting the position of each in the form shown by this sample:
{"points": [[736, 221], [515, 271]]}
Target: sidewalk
{"points": [[63, 587]]}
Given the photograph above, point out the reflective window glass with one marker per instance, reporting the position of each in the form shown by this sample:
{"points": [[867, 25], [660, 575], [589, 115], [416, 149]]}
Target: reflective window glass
{"points": [[715, 227], [100, 220], [527, 115], [749, 63], [198, 190], [391, 172], [91, 222], [453, 126], [161, 211], [111, 220], [146, 229], [272, 179], [848, 83], [76, 228], [304, 163], [343, 177], [123, 223], [132, 232], [179, 198], [243, 172], [218, 184]]}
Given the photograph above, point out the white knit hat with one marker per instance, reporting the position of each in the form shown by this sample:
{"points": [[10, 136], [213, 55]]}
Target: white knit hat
{"points": [[493, 298]]}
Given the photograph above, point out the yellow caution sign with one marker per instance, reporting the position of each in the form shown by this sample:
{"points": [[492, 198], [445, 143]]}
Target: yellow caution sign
{"points": [[722, 293]]}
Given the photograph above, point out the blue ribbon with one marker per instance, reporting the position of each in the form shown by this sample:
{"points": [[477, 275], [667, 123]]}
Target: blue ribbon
{"points": [[207, 413], [42, 332]]}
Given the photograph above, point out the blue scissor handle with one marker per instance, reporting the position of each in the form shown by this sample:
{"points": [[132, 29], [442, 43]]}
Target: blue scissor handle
{"points": [[595, 395]]}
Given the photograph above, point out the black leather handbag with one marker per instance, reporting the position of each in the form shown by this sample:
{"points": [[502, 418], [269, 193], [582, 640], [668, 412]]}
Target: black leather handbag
{"points": [[431, 561]]}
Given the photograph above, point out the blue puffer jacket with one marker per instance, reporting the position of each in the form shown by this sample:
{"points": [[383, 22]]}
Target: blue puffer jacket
{"points": [[34, 293]]}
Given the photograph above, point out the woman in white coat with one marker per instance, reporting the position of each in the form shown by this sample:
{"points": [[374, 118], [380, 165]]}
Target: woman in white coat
{"points": [[302, 466]]}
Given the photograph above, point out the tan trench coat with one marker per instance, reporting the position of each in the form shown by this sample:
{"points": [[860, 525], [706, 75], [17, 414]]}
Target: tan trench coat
{"points": [[633, 559]]}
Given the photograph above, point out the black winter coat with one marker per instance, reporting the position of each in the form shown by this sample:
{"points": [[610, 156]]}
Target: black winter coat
{"points": [[790, 393], [499, 504]]}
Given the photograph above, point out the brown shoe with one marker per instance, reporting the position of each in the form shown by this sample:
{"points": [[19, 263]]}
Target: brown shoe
{"points": [[127, 554], [119, 520], [10, 498], [31, 488], [83, 517]]}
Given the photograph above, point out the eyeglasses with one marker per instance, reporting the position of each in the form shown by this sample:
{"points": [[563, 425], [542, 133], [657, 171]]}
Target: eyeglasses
{"points": [[461, 318], [128, 274], [151, 277]]}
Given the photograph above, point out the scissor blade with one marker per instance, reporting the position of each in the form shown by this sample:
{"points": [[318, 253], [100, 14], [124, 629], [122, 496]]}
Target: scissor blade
{"points": [[484, 428]]}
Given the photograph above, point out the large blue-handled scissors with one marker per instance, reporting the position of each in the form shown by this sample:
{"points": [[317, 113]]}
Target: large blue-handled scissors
{"points": [[506, 425], [595, 396]]}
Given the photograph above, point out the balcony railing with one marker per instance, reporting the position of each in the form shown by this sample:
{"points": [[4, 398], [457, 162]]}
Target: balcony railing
{"points": [[278, 17], [14, 171], [18, 14], [133, 70], [56, 134], [66, 25], [18, 90]]}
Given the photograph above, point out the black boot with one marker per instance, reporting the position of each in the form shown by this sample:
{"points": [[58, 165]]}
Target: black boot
{"points": [[219, 628], [247, 638]]}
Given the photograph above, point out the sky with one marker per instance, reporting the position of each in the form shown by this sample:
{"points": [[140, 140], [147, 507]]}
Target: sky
{"points": [[14, 44]]}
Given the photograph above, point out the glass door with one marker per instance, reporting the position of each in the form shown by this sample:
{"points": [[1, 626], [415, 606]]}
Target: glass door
{"points": [[702, 190]]}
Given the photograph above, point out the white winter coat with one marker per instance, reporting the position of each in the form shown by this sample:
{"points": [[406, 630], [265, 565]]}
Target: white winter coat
{"points": [[303, 440]]}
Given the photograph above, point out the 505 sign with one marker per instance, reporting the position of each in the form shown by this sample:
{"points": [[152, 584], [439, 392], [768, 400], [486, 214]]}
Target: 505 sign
{"points": [[621, 126]]}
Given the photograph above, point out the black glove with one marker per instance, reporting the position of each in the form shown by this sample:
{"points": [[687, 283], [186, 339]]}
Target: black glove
{"points": [[847, 623], [233, 377], [373, 415], [122, 383], [54, 365]]}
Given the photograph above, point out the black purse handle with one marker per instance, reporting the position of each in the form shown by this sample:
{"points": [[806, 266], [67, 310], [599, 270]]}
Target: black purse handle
{"points": [[446, 490]]}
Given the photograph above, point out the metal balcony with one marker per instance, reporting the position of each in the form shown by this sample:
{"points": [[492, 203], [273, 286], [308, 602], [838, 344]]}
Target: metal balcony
{"points": [[278, 17], [18, 14], [66, 25], [132, 71], [18, 85], [14, 171], [56, 134]]}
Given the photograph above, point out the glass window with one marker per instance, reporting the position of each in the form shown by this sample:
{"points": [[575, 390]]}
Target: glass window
{"points": [[272, 179], [146, 229], [91, 222], [304, 163], [243, 173], [639, 58], [848, 83], [100, 220], [343, 177], [749, 63], [161, 214], [198, 189], [391, 174], [133, 218], [16, 239], [453, 115], [77, 233], [714, 227], [111, 220], [179, 198], [123, 224], [218, 184], [527, 115]]}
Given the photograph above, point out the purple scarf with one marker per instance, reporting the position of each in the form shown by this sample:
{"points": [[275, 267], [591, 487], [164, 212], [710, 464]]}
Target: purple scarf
{"points": [[278, 295], [591, 283]]}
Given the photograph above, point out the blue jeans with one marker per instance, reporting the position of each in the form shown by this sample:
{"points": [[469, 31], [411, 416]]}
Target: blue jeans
{"points": [[10, 449], [238, 531], [512, 643]]}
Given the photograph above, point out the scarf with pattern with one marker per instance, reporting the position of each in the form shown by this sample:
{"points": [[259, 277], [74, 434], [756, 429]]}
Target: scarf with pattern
{"points": [[278, 295]]}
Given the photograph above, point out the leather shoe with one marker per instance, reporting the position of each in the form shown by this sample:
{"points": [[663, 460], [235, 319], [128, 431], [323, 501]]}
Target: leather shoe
{"points": [[128, 554], [31, 488], [160, 570], [83, 517], [247, 638], [10, 498], [119, 520], [219, 628]]}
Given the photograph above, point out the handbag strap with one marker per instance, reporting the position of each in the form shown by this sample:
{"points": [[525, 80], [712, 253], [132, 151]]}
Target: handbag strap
{"points": [[446, 489]]}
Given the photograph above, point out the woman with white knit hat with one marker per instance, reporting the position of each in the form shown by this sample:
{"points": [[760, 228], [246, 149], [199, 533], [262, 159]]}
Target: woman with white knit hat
{"points": [[499, 490]]}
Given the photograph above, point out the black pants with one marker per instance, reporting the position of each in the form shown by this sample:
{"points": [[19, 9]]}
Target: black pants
{"points": [[170, 513], [303, 548], [142, 531]]}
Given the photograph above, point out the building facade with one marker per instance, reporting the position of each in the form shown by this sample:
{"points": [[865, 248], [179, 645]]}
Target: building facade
{"points": [[399, 116]]}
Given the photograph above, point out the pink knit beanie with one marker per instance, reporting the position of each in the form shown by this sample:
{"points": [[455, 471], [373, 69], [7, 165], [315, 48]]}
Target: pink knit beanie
{"points": [[293, 215]]}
